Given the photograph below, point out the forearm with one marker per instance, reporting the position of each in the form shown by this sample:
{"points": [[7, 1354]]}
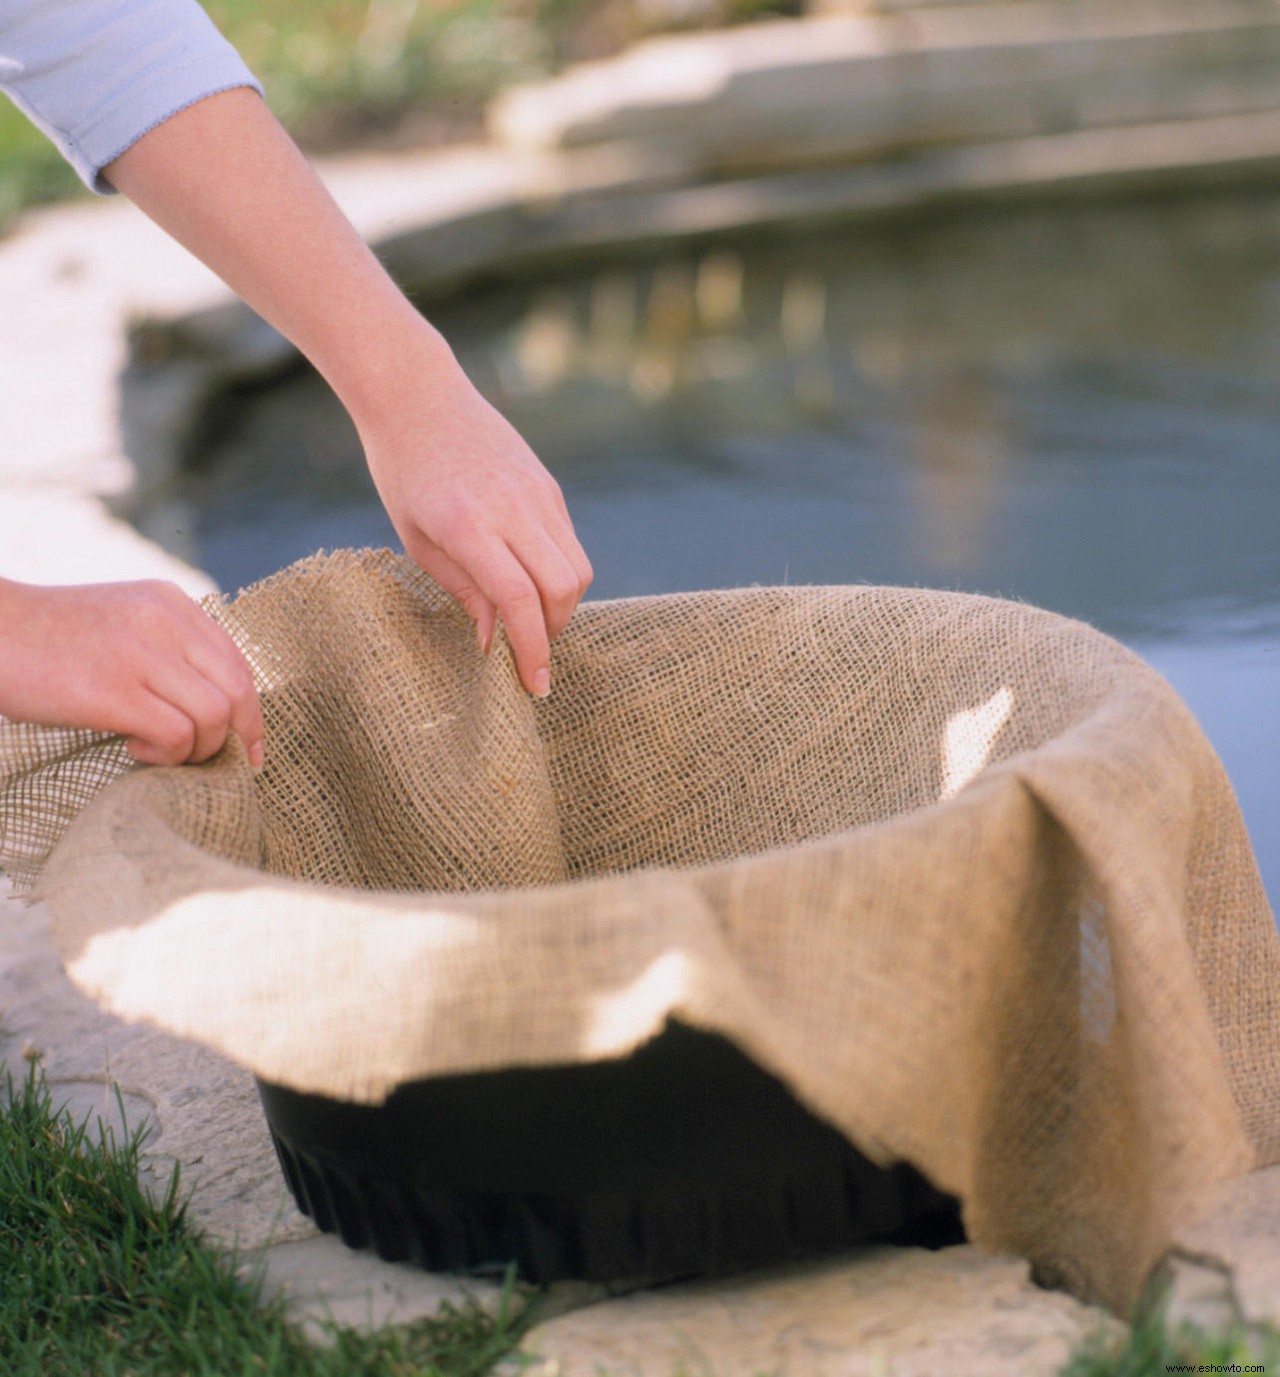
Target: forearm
{"points": [[467, 496], [225, 180]]}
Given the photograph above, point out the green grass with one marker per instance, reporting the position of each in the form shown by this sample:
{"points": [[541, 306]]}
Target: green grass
{"points": [[102, 1280], [1152, 1347], [346, 73]]}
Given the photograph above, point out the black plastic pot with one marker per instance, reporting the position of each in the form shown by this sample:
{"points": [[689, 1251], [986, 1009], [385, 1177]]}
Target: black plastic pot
{"points": [[683, 1159]]}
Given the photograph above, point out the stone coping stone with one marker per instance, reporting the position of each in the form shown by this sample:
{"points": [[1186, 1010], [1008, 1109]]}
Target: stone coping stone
{"points": [[858, 86], [55, 535]]}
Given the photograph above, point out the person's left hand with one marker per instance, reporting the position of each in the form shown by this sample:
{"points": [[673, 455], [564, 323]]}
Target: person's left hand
{"points": [[479, 513]]}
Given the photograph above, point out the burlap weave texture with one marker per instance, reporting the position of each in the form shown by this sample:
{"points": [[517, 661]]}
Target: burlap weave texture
{"points": [[966, 875]]}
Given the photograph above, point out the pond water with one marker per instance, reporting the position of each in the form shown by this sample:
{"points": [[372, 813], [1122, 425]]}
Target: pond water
{"points": [[1077, 406]]}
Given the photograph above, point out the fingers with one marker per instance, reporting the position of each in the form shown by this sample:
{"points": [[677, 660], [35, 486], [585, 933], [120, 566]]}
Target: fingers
{"points": [[535, 594], [558, 584], [488, 580], [559, 567], [167, 735], [197, 686], [520, 606], [217, 658], [536, 587], [459, 585], [189, 719]]}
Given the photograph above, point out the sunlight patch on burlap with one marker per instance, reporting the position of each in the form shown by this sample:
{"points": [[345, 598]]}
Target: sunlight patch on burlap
{"points": [[969, 738]]}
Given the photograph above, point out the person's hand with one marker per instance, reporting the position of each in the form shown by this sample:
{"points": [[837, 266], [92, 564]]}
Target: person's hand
{"points": [[139, 659], [476, 509]]}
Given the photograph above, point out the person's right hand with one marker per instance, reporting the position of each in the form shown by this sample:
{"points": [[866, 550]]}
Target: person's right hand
{"points": [[139, 659]]}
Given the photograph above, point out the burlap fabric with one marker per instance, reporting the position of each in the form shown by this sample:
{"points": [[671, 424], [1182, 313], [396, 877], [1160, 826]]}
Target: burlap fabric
{"points": [[964, 874]]}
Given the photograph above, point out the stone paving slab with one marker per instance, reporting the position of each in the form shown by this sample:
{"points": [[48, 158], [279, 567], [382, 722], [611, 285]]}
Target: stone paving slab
{"points": [[324, 1281], [203, 1111], [1225, 1264], [880, 1311]]}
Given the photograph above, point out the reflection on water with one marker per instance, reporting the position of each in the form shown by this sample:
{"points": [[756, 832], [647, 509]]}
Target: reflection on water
{"points": [[1077, 406]]}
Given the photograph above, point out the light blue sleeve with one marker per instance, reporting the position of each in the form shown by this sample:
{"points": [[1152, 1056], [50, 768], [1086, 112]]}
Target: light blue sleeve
{"points": [[96, 75]]}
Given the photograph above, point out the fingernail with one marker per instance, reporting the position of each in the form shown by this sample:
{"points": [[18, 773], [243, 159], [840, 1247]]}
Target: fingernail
{"points": [[542, 683], [484, 641], [257, 755]]}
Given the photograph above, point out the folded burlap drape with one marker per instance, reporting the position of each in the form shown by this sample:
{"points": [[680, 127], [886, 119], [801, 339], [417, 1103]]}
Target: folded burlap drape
{"points": [[964, 874]]}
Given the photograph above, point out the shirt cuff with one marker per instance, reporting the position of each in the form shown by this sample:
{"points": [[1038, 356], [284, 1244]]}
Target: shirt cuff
{"points": [[175, 88]]}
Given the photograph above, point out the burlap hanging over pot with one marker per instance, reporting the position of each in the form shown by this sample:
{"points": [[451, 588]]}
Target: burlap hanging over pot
{"points": [[964, 874]]}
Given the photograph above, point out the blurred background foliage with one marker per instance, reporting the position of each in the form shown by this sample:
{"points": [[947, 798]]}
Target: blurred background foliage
{"points": [[346, 74]]}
